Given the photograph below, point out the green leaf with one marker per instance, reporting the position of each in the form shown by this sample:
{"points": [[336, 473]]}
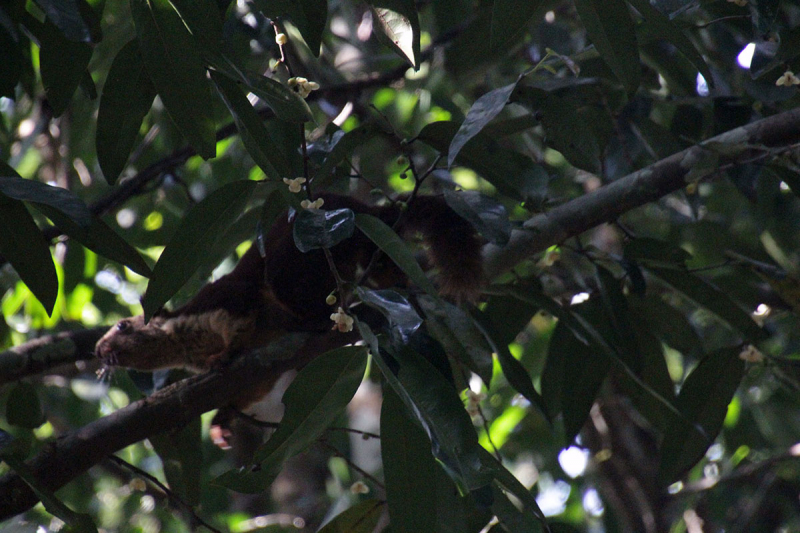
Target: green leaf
{"points": [[342, 148], [37, 192], [12, 68], [399, 22], [360, 518], [23, 245], [287, 104], [487, 216], [479, 115], [62, 64], [99, 238], [172, 58], [408, 468], [264, 151], [703, 399], [663, 28], [75, 521], [309, 16], [510, 483], [66, 16], [515, 373], [707, 295], [656, 252], [393, 246], [23, 407], [509, 516], [565, 129], [459, 336], [435, 403], [127, 96], [317, 228], [403, 318], [181, 454], [316, 397], [203, 19], [608, 24], [667, 323], [514, 174], [195, 237], [509, 18]]}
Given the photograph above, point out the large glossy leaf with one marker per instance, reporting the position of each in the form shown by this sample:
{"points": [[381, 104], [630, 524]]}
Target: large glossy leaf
{"points": [[399, 23], [510, 483], [514, 174], [408, 468], [509, 18], [360, 518], [565, 130], [196, 235], [393, 246], [488, 217], [403, 319], [127, 96], [663, 28], [62, 65], [316, 397], [23, 245], [255, 138], [610, 27], [37, 192], [287, 104], [342, 148], [434, 401], [172, 57], [703, 399], [479, 115], [459, 336], [99, 238], [317, 228], [707, 295], [203, 19]]}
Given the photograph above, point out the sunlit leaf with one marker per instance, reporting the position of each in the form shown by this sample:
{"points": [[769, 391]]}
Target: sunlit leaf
{"points": [[196, 235], [23, 245], [172, 57], [127, 97], [399, 22]]}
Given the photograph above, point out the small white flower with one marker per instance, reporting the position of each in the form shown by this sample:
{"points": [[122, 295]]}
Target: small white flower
{"points": [[281, 39], [359, 487], [342, 321], [295, 185], [308, 204], [787, 79], [751, 354]]}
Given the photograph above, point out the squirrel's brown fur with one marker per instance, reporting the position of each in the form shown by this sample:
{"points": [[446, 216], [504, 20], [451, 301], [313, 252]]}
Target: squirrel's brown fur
{"points": [[265, 297]]}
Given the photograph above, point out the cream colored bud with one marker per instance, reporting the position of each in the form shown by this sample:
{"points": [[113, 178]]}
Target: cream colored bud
{"points": [[281, 39], [295, 185]]}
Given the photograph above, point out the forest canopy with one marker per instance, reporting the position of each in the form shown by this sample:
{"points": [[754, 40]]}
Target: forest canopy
{"points": [[627, 360]]}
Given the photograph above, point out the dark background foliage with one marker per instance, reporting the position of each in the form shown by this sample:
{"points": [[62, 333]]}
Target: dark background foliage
{"points": [[632, 365]]}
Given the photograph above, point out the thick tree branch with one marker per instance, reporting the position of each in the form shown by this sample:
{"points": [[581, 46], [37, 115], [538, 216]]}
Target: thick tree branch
{"points": [[646, 185], [44, 353], [74, 453]]}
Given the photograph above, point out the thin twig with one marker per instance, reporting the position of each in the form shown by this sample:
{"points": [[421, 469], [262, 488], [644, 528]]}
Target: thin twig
{"points": [[170, 494]]}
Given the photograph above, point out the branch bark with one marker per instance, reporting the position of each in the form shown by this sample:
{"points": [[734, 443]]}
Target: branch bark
{"points": [[42, 354], [607, 203], [171, 407]]}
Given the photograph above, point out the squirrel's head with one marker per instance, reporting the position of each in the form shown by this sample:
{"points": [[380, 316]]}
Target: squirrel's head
{"points": [[133, 343]]}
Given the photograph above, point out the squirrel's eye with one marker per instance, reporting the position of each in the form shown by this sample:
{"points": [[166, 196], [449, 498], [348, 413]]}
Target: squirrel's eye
{"points": [[123, 325]]}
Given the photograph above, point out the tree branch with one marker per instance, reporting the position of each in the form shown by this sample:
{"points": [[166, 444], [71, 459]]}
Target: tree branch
{"points": [[44, 353], [641, 187], [171, 407]]}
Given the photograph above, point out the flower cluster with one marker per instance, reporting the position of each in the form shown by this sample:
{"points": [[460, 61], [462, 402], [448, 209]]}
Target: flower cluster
{"points": [[295, 185], [308, 204]]}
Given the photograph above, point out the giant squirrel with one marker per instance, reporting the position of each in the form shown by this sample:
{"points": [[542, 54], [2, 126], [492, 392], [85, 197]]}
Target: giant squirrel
{"points": [[285, 290]]}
